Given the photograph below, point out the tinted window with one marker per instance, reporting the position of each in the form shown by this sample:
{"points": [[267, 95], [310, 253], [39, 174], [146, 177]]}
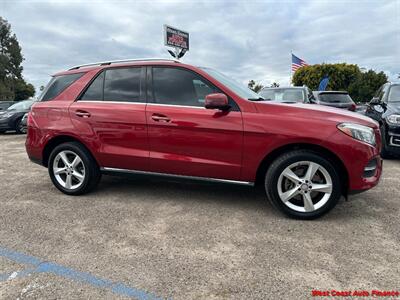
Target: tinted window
{"points": [[122, 85], [58, 84], [240, 89], [394, 94], [179, 87], [283, 95], [95, 90], [335, 98]]}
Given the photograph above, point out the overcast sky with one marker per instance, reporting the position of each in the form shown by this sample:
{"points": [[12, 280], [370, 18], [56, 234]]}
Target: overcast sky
{"points": [[244, 39]]}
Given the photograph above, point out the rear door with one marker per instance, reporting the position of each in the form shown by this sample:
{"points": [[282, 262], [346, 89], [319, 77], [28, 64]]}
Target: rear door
{"points": [[184, 137], [111, 115]]}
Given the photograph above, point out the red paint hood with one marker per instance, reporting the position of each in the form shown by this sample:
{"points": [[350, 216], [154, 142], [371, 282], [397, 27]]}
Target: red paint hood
{"points": [[315, 112]]}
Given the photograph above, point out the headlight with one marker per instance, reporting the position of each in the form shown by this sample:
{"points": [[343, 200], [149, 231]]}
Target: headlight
{"points": [[358, 132], [393, 119]]}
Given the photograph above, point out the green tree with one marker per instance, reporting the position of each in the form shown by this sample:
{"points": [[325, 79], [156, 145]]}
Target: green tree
{"points": [[366, 85], [348, 77], [256, 87], [12, 84]]}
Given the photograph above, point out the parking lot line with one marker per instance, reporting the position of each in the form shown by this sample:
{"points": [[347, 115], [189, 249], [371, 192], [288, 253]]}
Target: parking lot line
{"points": [[37, 266]]}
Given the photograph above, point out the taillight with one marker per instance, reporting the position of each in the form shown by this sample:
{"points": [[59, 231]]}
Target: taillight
{"points": [[29, 121], [353, 107]]}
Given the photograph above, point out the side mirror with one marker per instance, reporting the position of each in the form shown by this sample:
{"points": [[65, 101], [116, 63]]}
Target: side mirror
{"points": [[375, 101], [217, 101]]}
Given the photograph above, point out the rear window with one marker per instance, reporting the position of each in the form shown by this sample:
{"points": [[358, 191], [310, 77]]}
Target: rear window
{"points": [[335, 98], [58, 84], [283, 95]]}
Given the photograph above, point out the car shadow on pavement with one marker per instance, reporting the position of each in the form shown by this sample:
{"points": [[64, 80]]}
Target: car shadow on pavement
{"points": [[230, 196], [153, 188]]}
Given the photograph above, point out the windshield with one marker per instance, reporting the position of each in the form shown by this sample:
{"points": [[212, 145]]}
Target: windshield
{"points": [[240, 89], [394, 94], [283, 94], [23, 105], [335, 98]]}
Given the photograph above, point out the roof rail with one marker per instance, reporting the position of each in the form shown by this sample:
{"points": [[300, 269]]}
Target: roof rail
{"points": [[122, 61]]}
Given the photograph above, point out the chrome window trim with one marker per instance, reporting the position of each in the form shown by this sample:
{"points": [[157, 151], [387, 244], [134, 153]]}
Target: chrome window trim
{"points": [[127, 171], [127, 102], [175, 105], [113, 102]]}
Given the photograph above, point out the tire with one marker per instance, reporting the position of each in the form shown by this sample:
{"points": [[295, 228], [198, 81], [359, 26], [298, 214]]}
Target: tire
{"points": [[19, 128], [85, 166], [292, 197], [384, 152]]}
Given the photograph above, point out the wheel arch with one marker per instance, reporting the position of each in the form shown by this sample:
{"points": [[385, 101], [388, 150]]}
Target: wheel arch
{"points": [[60, 139], [326, 153]]}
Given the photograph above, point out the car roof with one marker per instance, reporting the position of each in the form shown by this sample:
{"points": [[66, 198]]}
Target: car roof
{"points": [[118, 63]]}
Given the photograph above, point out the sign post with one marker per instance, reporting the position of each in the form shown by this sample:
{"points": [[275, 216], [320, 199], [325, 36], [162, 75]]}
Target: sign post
{"points": [[177, 39]]}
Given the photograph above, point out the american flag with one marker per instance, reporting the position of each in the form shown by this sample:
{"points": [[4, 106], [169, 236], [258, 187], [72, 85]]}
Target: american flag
{"points": [[297, 63]]}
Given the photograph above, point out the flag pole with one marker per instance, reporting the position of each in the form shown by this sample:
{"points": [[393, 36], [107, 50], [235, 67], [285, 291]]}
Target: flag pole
{"points": [[291, 71]]}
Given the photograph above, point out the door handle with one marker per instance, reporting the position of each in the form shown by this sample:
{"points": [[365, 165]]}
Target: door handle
{"points": [[160, 118], [82, 114]]}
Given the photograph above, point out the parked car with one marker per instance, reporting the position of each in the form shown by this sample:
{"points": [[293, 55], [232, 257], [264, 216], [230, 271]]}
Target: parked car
{"points": [[11, 119], [338, 99], [288, 94], [385, 108], [5, 104], [166, 117]]}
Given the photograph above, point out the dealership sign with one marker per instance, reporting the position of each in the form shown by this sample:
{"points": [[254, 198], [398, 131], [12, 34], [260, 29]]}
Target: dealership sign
{"points": [[176, 38]]}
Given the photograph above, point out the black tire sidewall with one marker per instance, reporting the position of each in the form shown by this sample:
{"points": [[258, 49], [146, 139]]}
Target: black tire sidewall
{"points": [[384, 151], [17, 124], [282, 162], [87, 162]]}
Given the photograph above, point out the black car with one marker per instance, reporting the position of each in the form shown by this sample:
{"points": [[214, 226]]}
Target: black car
{"points": [[6, 104], [338, 99], [288, 94], [11, 119], [385, 108]]}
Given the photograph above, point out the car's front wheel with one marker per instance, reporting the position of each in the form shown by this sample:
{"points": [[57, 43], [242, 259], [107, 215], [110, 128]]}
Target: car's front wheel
{"points": [[303, 184], [72, 169], [19, 127]]}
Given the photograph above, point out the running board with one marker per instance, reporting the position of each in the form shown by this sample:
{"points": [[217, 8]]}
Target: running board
{"points": [[126, 171]]}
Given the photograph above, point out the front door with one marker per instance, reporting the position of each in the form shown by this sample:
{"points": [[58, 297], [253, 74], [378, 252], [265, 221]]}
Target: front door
{"points": [[184, 137], [111, 113]]}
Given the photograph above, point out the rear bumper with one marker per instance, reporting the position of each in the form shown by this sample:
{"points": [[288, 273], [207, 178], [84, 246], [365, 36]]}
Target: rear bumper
{"points": [[33, 145]]}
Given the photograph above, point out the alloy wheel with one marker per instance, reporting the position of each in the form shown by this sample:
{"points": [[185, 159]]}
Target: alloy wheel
{"points": [[304, 186], [68, 169]]}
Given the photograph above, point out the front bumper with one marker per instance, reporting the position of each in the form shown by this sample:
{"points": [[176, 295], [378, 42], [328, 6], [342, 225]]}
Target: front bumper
{"points": [[5, 124], [356, 157], [393, 139]]}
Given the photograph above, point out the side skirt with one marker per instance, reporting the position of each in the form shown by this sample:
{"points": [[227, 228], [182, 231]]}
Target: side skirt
{"points": [[107, 170]]}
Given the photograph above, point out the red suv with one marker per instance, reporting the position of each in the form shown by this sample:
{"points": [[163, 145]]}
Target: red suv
{"points": [[165, 117]]}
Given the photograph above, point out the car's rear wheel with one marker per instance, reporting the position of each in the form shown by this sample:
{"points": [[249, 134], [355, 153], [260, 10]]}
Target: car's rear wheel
{"points": [[72, 169], [303, 184]]}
